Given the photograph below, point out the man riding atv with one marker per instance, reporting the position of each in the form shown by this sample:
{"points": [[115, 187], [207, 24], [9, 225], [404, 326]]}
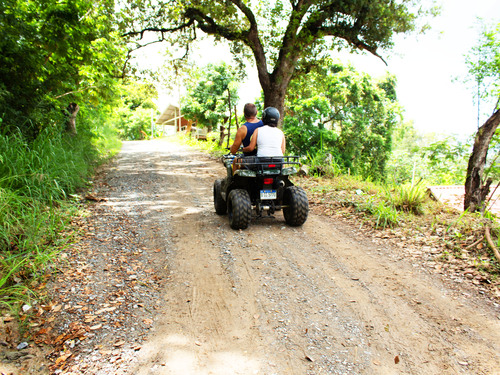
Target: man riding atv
{"points": [[245, 132], [261, 182]]}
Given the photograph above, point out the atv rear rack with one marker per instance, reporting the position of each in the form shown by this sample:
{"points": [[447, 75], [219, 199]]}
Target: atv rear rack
{"points": [[251, 166]]}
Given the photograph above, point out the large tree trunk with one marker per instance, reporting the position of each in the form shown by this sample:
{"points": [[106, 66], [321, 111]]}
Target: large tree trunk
{"points": [[273, 98], [72, 111], [475, 191], [275, 84]]}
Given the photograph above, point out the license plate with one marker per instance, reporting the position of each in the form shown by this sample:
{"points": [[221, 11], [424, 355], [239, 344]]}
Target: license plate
{"points": [[268, 194]]}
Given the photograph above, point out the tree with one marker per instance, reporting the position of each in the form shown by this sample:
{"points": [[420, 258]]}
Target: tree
{"points": [[53, 53], [337, 110], [484, 67], [208, 93], [280, 36], [132, 113]]}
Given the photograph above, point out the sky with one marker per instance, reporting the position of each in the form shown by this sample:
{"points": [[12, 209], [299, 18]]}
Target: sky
{"points": [[429, 68]]}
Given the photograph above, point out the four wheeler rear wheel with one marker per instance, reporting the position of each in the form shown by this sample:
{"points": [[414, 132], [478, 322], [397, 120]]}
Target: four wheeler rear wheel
{"points": [[219, 203], [296, 206], [239, 208]]}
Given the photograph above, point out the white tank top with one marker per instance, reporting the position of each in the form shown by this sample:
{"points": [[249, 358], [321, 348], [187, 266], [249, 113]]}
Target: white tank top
{"points": [[269, 141]]}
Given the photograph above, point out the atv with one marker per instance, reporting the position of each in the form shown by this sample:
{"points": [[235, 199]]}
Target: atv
{"points": [[262, 185]]}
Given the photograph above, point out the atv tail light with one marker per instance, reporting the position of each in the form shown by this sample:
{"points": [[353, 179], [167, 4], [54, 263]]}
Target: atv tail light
{"points": [[271, 166], [268, 181]]}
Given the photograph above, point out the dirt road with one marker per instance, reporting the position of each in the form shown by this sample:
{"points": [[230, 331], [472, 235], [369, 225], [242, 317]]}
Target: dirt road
{"points": [[267, 300]]}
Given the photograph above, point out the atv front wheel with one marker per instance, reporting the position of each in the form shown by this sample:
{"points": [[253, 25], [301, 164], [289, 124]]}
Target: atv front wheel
{"points": [[296, 206], [239, 209], [219, 203]]}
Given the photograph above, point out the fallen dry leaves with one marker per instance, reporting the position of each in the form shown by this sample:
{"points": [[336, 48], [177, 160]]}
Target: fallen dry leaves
{"points": [[445, 242]]}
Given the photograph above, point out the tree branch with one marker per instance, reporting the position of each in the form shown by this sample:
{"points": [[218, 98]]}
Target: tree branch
{"points": [[208, 25], [253, 41], [159, 29], [349, 33], [74, 91], [246, 11], [492, 245]]}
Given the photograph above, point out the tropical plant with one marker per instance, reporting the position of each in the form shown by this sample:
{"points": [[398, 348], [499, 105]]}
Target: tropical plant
{"points": [[409, 197]]}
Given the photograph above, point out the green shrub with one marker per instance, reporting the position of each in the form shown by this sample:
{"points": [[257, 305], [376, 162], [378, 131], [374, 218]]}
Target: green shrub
{"points": [[409, 198], [383, 212], [323, 164], [37, 179], [385, 215]]}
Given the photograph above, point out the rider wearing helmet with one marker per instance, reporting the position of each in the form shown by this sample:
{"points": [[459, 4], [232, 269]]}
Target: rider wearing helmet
{"points": [[270, 140]]}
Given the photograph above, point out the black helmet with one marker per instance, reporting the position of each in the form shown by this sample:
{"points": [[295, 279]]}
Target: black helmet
{"points": [[270, 116]]}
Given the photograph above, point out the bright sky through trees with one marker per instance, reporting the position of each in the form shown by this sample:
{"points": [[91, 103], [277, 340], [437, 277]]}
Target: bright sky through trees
{"points": [[429, 68]]}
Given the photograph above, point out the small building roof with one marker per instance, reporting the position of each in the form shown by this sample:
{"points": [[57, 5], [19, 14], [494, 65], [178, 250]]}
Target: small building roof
{"points": [[168, 115]]}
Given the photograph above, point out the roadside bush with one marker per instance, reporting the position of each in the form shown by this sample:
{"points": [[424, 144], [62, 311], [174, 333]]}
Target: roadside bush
{"points": [[38, 180], [409, 198], [384, 213], [323, 164], [385, 216]]}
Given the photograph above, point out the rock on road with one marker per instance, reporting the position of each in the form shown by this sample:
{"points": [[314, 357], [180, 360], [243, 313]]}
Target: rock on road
{"points": [[274, 299]]}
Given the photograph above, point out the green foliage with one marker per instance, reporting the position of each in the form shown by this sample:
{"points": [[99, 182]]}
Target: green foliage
{"points": [[437, 160], [30, 236], [323, 164], [133, 112], [53, 53], [46, 169], [483, 62], [38, 181], [207, 98], [339, 111], [409, 198], [385, 216]]}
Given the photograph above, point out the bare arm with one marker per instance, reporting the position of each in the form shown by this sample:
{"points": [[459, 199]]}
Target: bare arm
{"points": [[253, 142], [283, 145], [240, 135]]}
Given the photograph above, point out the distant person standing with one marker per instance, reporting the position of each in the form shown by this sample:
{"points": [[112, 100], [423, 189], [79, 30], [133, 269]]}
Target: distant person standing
{"points": [[269, 140], [245, 132]]}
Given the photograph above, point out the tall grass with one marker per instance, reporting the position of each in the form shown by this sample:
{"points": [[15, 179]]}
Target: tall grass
{"points": [[36, 180], [410, 197]]}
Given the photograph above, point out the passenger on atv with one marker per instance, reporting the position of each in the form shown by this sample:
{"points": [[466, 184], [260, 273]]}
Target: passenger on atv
{"points": [[270, 140]]}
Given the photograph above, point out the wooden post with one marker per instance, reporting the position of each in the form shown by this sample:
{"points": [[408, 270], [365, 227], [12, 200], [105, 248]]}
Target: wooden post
{"points": [[179, 115], [236, 118], [229, 126]]}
